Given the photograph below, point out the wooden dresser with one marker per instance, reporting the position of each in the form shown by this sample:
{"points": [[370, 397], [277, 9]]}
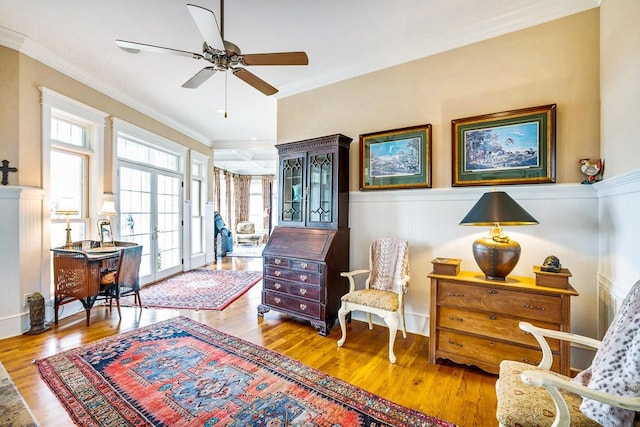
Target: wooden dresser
{"points": [[474, 321], [302, 274]]}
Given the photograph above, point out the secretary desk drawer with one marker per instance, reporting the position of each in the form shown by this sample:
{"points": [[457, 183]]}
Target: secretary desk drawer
{"points": [[293, 275], [495, 299], [488, 351], [285, 302], [311, 292], [492, 325]]}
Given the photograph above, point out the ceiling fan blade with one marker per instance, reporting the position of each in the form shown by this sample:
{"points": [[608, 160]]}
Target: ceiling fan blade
{"points": [[281, 58], [255, 81], [199, 78], [134, 47], [208, 26]]}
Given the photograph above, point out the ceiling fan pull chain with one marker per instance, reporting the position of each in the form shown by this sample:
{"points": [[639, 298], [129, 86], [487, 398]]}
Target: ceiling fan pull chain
{"points": [[225, 95]]}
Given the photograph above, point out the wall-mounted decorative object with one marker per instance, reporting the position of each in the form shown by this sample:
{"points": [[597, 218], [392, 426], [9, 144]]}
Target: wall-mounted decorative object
{"points": [[5, 169], [511, 147], [398, 158]]}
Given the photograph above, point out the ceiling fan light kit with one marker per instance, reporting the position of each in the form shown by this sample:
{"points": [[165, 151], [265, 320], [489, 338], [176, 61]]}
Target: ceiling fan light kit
{"points": [[222, 54]]}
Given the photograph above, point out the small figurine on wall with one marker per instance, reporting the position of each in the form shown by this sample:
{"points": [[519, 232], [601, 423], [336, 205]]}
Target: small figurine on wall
{"points": [[593, 171]]}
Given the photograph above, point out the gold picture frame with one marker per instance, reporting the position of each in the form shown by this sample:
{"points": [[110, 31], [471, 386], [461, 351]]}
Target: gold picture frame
{"points": [[510, 147], [394, 159]]}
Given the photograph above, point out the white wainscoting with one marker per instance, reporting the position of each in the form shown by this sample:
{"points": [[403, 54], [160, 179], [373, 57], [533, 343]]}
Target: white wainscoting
{"points": [[428, 219], [21, 213]]}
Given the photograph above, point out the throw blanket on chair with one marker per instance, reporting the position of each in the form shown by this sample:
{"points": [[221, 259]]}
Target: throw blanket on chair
{"points": [[616, 364], [389, 263]]}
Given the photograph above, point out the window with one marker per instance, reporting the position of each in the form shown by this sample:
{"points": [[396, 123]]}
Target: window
{"points": [[72, 151], [198, 200]]}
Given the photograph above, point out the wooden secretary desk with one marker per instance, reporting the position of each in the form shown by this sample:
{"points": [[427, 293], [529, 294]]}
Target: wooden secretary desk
{"points": [[309, 248], [475, 321]]}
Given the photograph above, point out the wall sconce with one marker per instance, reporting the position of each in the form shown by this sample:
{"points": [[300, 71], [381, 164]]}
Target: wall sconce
{"points": [[497, 255], [67, 206]]}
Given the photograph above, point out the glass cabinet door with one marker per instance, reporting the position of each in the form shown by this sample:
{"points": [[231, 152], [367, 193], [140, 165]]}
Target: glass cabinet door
{"points": [[292, 197], [320, 200]]}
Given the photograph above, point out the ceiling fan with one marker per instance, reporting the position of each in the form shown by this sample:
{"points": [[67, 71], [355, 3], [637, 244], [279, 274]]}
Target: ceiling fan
{"points": [[222, 54]]}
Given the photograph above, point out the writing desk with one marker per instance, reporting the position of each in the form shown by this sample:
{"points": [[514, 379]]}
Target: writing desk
{"points": [[77, 274]]}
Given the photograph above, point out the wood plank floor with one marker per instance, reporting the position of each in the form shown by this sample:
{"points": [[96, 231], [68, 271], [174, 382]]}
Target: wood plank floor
{"points": [[462, 395]]}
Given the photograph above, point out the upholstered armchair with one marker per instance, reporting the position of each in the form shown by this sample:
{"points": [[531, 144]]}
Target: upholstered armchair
{"points": [[607, 393], [246, 233], [384, 290]]}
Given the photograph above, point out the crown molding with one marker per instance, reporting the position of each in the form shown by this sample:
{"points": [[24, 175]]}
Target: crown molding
{"points": [[28, 47]]}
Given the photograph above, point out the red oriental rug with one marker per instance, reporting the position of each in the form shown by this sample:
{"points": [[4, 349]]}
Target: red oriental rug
{"points": [[182, 373], [197, 290]]}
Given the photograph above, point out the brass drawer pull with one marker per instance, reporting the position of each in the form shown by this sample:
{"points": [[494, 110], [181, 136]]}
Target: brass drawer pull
{"points": [[303, 277], [303, 291], [277, 300], [525, 360], [491, 317], [492, 344], [304, 265], [493, 291], [278, 273], [303, 307], [533, 307], [277, 261], [456, 318], [451, 294], [455, 343], [277, 285]]}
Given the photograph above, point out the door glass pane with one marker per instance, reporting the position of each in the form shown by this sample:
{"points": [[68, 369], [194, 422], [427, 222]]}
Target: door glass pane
{"points": [[292, 190], [168, 229], [135, 212], [320, 187]]}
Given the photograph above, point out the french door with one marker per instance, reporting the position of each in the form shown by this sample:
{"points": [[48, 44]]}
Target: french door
{"points": [[149, 214]]}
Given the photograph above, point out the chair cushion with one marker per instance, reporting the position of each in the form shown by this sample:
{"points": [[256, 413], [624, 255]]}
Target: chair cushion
{"points": [[108, 278], [522, 405], [373, 298]]}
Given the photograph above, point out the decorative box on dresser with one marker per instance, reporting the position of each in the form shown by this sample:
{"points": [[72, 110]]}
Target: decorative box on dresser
{"points": [[474, 321], [309, 248]]}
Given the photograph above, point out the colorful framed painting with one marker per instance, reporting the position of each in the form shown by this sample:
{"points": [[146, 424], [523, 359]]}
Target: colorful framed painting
{"points": [[511, 147], [394, 159]]}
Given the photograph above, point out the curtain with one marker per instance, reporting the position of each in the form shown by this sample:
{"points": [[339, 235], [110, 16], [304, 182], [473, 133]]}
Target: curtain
{"points": [[267, 183], [216, 189], [241, 184], [229, 201]]}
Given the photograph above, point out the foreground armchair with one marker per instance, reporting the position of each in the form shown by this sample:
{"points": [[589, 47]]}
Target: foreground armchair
{"points": [[384, 291], [607, 393]]}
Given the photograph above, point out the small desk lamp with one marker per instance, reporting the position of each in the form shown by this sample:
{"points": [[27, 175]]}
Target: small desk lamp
{"points": [[497, 255], [108, 209], [67, 206]]}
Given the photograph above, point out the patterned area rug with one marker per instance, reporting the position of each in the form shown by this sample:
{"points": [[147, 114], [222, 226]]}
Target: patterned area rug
{"points": [[13, 409], [197, 290], [182, 373]]}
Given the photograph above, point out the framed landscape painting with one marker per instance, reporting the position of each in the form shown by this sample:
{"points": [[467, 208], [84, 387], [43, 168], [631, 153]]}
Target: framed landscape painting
{"points": [[511, 147], [394, 159]]}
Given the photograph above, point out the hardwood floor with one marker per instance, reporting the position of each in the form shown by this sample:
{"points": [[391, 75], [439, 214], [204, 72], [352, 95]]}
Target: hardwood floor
{"points": [[462, 395]]}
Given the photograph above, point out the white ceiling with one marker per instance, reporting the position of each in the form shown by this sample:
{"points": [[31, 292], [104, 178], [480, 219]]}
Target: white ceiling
{"points": [[343, 39]]}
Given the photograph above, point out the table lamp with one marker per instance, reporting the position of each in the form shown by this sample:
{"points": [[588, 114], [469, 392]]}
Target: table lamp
{"points": [[497, 254], [108, 209], [67, 206]]}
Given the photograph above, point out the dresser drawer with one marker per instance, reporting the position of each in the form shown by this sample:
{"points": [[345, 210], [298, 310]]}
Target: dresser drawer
{"points": [[277, 261], [289, 303], [492, 325], [313, 267], [488, 351], [495, 299], [311, 292], [293, 275]]}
